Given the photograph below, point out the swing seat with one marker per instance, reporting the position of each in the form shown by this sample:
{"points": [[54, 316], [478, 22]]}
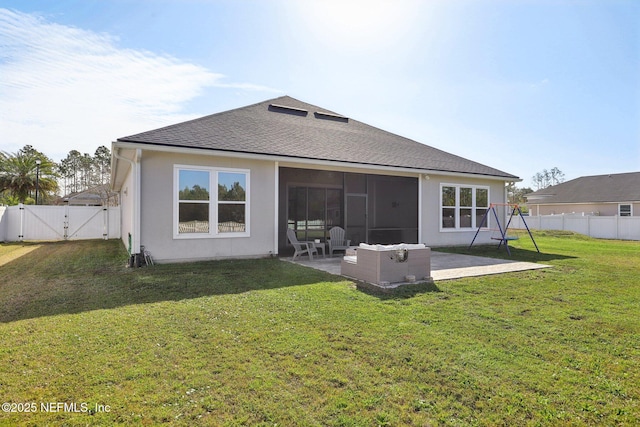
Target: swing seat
{"points": [[505, 238]]}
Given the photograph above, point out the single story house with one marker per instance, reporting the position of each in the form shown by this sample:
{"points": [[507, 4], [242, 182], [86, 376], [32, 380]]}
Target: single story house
{"points": [[605, 195], [230, 184], [100, 195]]}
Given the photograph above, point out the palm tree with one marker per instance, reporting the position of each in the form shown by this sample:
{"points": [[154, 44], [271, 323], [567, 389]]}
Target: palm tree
{"points": [[19, 173]]}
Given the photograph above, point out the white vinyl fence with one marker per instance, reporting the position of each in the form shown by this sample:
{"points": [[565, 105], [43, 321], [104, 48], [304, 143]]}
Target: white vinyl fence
{"points": [[601, 227], [29, 222]]}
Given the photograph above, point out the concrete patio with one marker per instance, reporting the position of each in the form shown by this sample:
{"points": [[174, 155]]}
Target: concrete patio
{"points": [[444, 266]]}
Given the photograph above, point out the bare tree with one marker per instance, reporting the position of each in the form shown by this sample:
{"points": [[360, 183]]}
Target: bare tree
{"points": [[547, 178], [557, 176]]}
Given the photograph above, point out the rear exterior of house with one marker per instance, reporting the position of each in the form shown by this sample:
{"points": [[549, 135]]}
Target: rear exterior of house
{"points": [[598, 195], [231, 184]]}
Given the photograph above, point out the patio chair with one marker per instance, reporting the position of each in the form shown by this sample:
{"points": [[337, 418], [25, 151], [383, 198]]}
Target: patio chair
{"points": [[337, 241], [301, 248]]}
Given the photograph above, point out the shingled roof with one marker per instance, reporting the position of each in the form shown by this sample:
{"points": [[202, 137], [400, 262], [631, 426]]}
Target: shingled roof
{"points": [[622, 187], [288, 127]]}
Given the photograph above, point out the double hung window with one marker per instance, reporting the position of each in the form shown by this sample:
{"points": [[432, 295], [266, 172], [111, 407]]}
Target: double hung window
{"points": [[625, 210], [197, 207], [463, 207]]}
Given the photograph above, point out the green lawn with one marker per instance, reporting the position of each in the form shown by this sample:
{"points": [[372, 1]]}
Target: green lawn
{"points": [[266, 342]]}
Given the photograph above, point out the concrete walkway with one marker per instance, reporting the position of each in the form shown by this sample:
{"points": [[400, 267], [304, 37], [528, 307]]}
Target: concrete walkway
{"points": [[444, 266]]}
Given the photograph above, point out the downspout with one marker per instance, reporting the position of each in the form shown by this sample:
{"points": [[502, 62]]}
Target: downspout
{"points": [[276, 212], [507, 209], [420, 177], [135, 260]]}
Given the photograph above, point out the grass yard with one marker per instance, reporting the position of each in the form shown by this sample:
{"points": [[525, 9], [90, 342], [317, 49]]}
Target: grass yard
{"points": [[265, 342]]}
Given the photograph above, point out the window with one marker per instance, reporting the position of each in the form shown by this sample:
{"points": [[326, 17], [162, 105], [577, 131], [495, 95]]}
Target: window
{"points": [[625, 210], [482, 206], [232, 202], [193, 201], [448, 207], [463, 207], [196, 206]]}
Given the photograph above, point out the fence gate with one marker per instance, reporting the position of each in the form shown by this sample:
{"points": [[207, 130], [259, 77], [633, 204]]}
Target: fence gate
{"points": [[28, 222]]}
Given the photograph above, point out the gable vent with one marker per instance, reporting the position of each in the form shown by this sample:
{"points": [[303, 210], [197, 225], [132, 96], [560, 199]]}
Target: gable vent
{"points": [[286, 109], [331, 116]]}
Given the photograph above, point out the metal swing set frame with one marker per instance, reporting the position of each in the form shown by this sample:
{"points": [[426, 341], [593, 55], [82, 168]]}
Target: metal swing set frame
{"points": [[504, 238]]}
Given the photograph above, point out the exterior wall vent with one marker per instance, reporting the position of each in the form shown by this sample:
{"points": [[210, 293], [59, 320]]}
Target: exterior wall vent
{"points": [[331, 116], [286, 109]]}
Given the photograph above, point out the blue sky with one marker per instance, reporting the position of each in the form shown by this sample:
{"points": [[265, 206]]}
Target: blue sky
{"points": [[518, 85]]}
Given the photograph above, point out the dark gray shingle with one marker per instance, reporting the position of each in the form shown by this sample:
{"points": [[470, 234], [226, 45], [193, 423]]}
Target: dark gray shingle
{"points": [[267, 128], [622, 187]]}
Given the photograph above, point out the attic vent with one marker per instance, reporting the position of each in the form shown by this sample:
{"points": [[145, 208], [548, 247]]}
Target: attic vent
{"points": [[286, 109], [331, 116]]}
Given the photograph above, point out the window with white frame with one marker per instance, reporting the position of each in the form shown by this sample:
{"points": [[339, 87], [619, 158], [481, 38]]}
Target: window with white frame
{"points": [[463, 206], [625, 210], [196, 206]]}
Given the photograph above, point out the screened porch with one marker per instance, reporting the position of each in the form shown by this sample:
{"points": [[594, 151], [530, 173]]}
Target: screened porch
{"points": [[370, 208]]}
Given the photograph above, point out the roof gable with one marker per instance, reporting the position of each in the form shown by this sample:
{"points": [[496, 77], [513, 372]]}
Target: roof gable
{"points": [[288, 127], [623, 187]]}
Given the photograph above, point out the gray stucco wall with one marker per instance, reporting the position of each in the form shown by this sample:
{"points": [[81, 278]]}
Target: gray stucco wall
{"points": [[157, 210], [157, 200], [432, 234]]}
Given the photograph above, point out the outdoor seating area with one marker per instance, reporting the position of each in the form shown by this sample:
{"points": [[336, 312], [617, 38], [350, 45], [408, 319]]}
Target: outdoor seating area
{"points": [[443, 266], [302, 248], [384, 265], [387, 267], [336, 242]]}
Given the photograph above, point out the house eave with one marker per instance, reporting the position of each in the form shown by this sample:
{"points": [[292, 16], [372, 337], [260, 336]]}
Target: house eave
{"points": [[303, 160], [118, 172]]}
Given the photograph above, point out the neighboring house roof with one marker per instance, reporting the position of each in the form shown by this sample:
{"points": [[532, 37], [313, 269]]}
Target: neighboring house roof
{"points": [[287, 127], [622, 187], [95, 196]]}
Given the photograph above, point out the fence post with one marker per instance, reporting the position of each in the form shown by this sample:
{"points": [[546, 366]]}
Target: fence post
{"points": [[105, 222], [66, 220], [3, 224], [21, 234]]}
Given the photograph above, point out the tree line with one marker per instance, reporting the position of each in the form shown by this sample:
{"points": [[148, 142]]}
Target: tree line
{"points": [[29, 173], [545, 178], [28, 169]]}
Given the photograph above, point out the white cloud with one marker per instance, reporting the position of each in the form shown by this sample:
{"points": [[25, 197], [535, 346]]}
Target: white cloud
{"points": [[66, 88]]}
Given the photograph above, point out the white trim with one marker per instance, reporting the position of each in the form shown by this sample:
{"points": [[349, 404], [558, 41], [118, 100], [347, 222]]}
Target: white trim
{"points": [[137, 197], [300, 160], [276, 206], [457, 207], [420, 177], [135, 187], [213, 202]]}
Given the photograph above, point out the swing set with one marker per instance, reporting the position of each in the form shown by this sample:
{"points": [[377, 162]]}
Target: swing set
{"points": [[500, 233]]}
